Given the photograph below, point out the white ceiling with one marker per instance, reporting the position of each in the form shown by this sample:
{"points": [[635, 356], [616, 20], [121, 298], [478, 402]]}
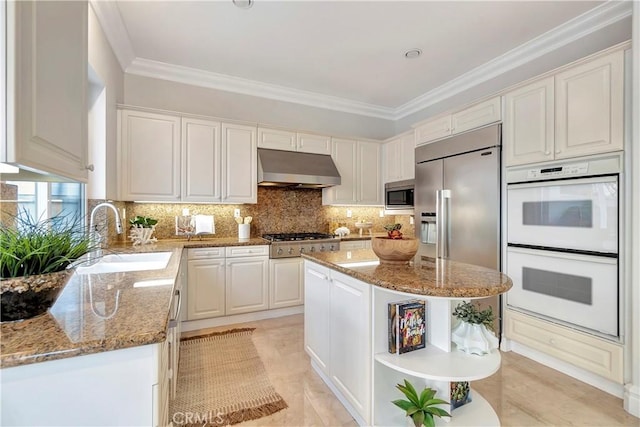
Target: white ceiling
{"points": [[335, 51]]}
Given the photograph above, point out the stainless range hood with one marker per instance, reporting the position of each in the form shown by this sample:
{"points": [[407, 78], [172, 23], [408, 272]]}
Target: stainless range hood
{"points": [[278, 168]]}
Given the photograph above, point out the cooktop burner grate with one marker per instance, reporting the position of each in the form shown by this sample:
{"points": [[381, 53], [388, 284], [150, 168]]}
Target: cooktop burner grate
{"points": [[292, 237]]}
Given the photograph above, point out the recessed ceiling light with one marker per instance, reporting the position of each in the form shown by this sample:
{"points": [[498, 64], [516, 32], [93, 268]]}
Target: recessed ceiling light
{"points": [[412, 53], [243, 4]]}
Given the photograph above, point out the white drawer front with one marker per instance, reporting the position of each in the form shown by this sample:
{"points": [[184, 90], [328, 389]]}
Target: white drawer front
{"points": [[239, 251], [200, 253], [599, 356]]}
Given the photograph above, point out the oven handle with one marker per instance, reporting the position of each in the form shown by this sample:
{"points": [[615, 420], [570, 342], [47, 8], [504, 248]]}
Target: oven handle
{"points": [[576, 256], [443, 209], [593, 179]]}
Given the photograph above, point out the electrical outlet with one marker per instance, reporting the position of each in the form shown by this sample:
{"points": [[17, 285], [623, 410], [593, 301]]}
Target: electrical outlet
{"points": [[411, 221], [349, 213], [381, 214], [236, 213]]}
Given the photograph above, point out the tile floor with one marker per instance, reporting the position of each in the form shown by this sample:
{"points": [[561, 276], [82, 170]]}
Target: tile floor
{"points": [[522, 392]]}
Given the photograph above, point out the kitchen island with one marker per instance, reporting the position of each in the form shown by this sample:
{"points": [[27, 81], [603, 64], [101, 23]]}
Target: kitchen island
{"points": [[346, 331]]}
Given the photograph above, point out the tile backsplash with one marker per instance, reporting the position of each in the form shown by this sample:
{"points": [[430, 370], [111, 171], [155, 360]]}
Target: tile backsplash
{"points": [[279, 210]]}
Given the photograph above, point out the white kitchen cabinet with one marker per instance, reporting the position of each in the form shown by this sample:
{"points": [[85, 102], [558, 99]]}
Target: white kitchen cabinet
{"points": [[350, 348], [589, 107], [529, 124], [286, 282], [317, 289], [573, 113], [86, 390], [201, 160], [477, 115], [205, 288], [399, 159], [46, 87], [240, 164], [358, 163], [311, 143], [149, 152], [247, 284], [277, 139]]}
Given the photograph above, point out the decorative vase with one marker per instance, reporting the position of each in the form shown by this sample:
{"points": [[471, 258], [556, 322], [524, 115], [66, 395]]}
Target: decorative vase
{"points": [[394, 251], [142, 235], [29, 296], [474, 338]]}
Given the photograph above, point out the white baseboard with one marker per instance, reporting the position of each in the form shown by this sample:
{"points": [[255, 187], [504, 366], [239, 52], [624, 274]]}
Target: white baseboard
{"points": [[632, 399], [192, 325], [597, 381]]}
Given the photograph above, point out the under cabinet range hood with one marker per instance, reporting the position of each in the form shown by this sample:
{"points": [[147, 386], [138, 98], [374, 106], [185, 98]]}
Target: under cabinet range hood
{"points": [[279, 168]]}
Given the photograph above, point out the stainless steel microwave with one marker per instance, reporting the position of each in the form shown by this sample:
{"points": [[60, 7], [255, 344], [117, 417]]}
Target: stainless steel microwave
{"points": [[398, 196]]}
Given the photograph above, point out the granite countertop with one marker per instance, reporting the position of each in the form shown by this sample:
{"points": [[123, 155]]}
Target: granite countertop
{"points": [[436, 278], [102, 312]]}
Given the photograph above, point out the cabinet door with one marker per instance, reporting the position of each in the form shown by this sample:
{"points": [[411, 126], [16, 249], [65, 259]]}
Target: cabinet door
{"points": [[201, 161], [391, 166], [240, 165], [286, 282], [528, 126], [350, 346], [47, 87], [407, 157], [317, 286], [344, 154], [149, 156], [309, 143], [276, 139], [247, 285], [205, 288], [478, 115], [590, 101], [433, 129], [368, 182]]}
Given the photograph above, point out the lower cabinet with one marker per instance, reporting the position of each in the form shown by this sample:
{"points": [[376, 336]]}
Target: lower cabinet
{"points": [[286, 282], [206, 288], [247, 285], [352, 245], [338, 335]]}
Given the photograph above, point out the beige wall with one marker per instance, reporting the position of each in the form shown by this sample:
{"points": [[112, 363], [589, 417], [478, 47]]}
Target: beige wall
{"points": [[106, 65], [167, 95]]}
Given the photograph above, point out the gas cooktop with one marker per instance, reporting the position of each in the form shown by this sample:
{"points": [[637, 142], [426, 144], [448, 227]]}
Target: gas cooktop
{"points": [[292, 237], [287, 245]]}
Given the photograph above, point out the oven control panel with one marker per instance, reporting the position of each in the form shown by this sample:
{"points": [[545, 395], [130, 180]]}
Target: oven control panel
{"points": [[575, 169]]}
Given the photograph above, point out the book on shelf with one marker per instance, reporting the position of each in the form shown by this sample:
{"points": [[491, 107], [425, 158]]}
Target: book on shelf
{"points": [[460, 394], [407, 326]]}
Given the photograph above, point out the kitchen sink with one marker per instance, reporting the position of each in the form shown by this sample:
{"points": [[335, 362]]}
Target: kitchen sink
{"points": [[115, 263]]}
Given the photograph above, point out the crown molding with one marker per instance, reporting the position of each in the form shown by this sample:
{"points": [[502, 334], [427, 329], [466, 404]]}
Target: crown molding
{"points": [[114, 29], [192, 76], [574, 29], [581, 26]]}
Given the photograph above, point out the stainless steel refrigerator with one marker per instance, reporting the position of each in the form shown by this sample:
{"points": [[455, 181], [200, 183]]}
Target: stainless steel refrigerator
{"points": [[457, 200]]}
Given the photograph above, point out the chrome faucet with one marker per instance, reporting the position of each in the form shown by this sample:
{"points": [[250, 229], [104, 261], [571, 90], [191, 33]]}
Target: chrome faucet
{"points": [[94, 235]]}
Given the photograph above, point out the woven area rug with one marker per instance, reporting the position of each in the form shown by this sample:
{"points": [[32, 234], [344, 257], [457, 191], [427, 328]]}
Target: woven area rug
{"points": [[222, 381]]}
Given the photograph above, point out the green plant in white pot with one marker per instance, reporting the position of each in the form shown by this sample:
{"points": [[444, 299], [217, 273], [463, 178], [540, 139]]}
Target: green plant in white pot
{"points": [[420, 408], [474, 334], [34, 262], [142, 229]]}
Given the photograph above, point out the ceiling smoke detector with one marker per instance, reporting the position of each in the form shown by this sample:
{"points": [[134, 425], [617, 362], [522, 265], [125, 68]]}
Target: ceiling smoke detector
{"points": [[243, 4], [412, 53]]}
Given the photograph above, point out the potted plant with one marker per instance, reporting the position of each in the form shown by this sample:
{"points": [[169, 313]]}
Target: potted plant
{"points": [[393, 231], [142, 228], [421, 408], [34, 262], [474, 333]]}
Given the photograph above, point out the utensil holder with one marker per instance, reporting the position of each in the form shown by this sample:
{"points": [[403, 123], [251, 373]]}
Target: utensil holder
{"points": [[244, 230]]}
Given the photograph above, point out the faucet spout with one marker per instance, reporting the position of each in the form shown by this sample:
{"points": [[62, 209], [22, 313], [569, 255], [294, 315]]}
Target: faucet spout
{"points": [[96, 238]]}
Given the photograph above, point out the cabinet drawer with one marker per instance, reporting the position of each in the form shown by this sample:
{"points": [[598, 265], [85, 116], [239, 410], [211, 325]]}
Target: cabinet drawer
{"points": [[238, 251], [585, 351], [201, 253]]}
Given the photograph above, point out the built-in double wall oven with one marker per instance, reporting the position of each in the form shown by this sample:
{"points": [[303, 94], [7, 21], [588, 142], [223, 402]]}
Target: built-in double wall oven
{"points": [[563, 242]]}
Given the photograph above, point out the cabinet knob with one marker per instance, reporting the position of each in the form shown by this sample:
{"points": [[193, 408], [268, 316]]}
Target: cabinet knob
{"points": [[558, 151], [547, 152], [89, 167]]}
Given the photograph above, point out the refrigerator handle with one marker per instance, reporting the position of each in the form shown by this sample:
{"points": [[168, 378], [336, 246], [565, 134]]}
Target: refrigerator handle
{"points": [[443, 207]]}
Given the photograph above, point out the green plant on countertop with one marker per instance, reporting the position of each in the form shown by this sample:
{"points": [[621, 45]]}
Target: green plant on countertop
{"points": [[142, 222], [420, 408], [31, 247], [393, 231], [470, 313]]}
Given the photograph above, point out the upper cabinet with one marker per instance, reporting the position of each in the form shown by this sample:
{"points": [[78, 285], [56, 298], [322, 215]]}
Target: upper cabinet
{"points": [[576, 112], [477, 115], [358, 163], [399, 159], [166, 157], [279, 139], [46, 79]]}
